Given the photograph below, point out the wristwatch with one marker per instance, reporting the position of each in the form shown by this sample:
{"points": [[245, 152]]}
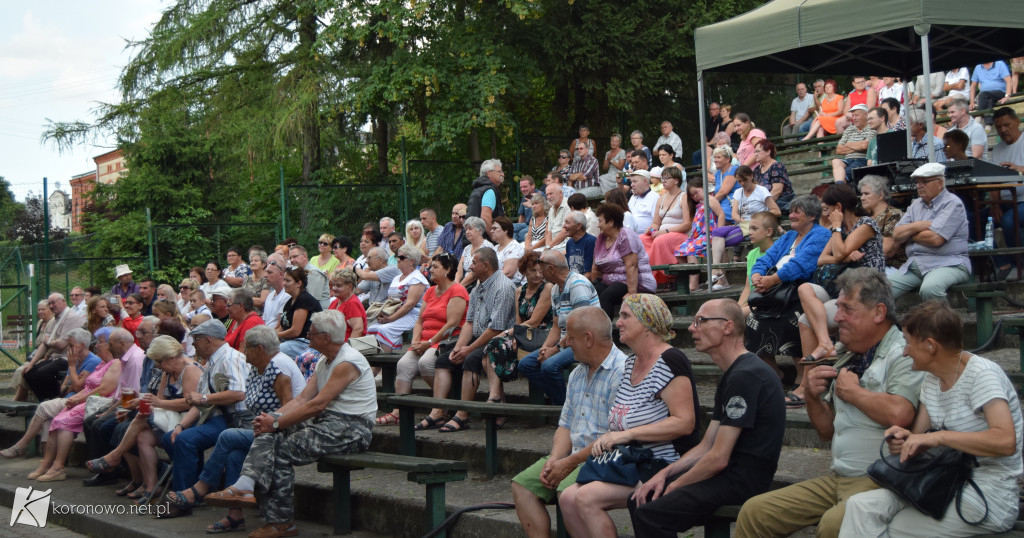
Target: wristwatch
{"points": [[837, 229], [277, 421], [202, 399]]}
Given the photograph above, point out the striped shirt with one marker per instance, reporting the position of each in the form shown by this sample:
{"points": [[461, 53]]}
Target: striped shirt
{"points": [[639, 405], [431, 238], [225, 370], [960, 409], [587, 399], [589, 168], [578, 292], [853, 134]]}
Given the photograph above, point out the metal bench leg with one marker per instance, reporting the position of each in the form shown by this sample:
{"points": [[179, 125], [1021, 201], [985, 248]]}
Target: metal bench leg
{"points": [[491, 447], [342, 503], [406, 431], [388, 372], [717, 529], [435, 507], [984, 310], [1020, 344]]}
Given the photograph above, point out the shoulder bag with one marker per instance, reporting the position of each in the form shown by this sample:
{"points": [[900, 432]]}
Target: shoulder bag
{"points": [[775, 302], [624, 464], [930, 481], [530, 339]]}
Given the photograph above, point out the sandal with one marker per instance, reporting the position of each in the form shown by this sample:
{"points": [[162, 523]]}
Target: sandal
{"points": [[232, 497], [387, 419], [829, 357], [177, 498], [146, 497], [460, 425], [792, 400], [130, 488], [233, 525], [99, 465], [429, 423], [13, 452]]}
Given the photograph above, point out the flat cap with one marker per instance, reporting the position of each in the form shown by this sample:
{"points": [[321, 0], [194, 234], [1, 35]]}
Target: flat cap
{"points": [[930, 170], [212, 328]]}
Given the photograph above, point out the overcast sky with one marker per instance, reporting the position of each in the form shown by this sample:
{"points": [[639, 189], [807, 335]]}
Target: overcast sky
{"points": [[57, 60]]}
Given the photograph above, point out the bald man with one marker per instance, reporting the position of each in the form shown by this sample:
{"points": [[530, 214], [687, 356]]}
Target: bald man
{"points": [[453, 236]]}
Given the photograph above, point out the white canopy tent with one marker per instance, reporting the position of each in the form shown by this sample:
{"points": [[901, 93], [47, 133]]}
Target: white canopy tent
{"points": [[890, 37]]}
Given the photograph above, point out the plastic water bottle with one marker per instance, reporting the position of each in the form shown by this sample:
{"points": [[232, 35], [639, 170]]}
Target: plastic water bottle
{"points": [[989, 243]]}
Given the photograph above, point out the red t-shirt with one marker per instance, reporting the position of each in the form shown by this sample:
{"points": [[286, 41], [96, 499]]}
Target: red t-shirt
{"points": [[132, 325], [351, 308], [435, 313], [236, 336]]}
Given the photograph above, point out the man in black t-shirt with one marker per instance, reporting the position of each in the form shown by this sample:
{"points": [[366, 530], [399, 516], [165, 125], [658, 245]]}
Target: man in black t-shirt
{"points": [[740, 450]]}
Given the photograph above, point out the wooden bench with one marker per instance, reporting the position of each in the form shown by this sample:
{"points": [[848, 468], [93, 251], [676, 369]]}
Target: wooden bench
{"points": [[433, 473], [691, 301], [983, 263], [22, 409], [388, 364], [1015, 326], [408, 403], [983, 295]]}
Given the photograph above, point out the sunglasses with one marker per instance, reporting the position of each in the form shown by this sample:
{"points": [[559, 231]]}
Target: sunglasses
{"points": [[402, 258], [324, 243]]}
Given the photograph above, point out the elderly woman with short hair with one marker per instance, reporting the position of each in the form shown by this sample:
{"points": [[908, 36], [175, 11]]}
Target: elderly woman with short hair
{"points": [[256, 283], [184, 298], [343, 285], [968, 404], [68, 423], [621, 266], [273, 381], [408, 287], [236, 271], [243, 317], [508, 249], [476, 235], [81, 363], [790, 261], [875, 198], [180, 375]]}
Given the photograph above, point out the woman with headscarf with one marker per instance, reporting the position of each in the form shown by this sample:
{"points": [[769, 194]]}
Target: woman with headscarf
{"points": [[656, 408]]}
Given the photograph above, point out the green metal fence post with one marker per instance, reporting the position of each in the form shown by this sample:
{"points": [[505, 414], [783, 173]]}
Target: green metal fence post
{"points": [[405, 191]]}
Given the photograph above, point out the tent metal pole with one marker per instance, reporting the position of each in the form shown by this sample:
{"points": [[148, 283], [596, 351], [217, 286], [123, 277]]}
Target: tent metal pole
{"points": [[704, 174], [922, 30]]}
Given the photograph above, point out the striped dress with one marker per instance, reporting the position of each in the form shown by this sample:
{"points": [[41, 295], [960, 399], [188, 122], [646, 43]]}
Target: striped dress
{"points": [[640, 404]]}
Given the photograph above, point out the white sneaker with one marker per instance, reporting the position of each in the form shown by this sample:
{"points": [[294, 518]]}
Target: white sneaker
{"points": [[720, 287]]}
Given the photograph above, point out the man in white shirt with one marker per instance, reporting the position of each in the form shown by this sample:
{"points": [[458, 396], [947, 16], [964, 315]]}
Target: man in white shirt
{"points": [[643, 202], [275, 302], [669, 137], [960, 120], [78, 302], [801, 112], [956, 85], [317, 280], [556, 236]]}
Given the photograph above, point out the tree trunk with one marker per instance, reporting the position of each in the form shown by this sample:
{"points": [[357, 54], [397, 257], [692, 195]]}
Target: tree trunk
{"points": [[380, 136], [474, 145]]}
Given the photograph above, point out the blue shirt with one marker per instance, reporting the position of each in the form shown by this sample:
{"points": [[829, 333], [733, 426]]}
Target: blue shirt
{"points": [[86, 367], [991, 80], [727, 201], [524, 209], [578, 292], [588, 399], [921, 149], [580, 254]]}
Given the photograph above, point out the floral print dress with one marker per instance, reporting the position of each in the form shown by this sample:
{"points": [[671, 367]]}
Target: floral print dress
{"points": [[695, 243]]}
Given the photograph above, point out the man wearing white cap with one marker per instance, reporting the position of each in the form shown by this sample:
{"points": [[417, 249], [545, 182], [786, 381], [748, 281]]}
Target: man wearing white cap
{"points": [[643, 202], [125, 285], [853, 145], [934, 229]]}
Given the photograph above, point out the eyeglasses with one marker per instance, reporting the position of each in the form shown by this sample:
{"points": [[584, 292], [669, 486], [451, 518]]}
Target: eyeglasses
{"points": [[923, 182], [697, 321]]}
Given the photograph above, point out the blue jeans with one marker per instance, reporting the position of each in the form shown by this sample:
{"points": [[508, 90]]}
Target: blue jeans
{"points": [[227, 458], [294, 346], [520, 229], [1009, 234], [805, 127], [185, 450], [548, 374], [851, 164]]}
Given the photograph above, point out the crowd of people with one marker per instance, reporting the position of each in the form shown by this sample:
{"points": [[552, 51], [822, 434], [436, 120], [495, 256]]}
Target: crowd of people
{"points": [[263, 361]]}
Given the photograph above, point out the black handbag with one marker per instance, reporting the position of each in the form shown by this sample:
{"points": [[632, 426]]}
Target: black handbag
{"points": [[929, 481], [530, 339], [775, 302], [826, 275]]}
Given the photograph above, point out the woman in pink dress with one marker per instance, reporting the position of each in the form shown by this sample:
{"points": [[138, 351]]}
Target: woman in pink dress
{"points": [[696, 241], [67, 424], [750, 135]]}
